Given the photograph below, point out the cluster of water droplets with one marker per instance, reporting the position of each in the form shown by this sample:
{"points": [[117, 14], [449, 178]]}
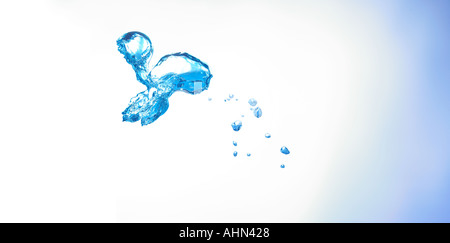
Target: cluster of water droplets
{"points": [[237, 124]]}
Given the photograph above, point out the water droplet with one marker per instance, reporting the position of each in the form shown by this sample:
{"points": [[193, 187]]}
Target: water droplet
{"points": [[236, 125], [267, 135], [252, 102], [257, 112], [249, 154], [234, 153], [282, 166], [237, 99], [234, 143], [225, 100], [285, 150], [231, 96], [242, 115]]}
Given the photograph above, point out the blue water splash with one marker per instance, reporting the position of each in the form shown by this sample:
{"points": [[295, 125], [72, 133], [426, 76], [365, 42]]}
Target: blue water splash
{"points": [[234, 153], [285, 150], [236, 125], [174, 72], [257, 112]]}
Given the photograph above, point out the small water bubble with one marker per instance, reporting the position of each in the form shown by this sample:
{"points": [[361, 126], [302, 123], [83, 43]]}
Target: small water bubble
{"points": [[225, 100], [209, 99], [231, 96], [249, 154], [234, 153], [237, 99], [234, 143], [257, 112], [267, 135], [252, 102], [242, 115], [285, 150], [236, 125], [282, 166]]}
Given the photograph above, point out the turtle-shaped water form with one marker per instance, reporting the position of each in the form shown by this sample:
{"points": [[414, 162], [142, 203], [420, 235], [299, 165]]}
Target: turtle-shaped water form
{"points": [[174, 72]]}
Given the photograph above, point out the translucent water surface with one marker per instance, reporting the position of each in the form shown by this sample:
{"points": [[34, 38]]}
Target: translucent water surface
{"points": [[174, 72]]}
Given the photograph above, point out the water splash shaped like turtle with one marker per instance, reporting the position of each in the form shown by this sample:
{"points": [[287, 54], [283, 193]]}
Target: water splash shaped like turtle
{"points": [[174, 72]]}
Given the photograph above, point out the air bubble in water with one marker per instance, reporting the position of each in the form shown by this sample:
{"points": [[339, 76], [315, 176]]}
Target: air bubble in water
{"points": [[285, 150], [252, 102], [257, 112], [236, 125]]}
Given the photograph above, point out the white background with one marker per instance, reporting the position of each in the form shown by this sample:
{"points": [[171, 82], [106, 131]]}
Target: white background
{"points": [[66, 155]]}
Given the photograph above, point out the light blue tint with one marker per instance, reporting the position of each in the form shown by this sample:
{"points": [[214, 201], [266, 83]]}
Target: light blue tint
{"points": [[252, 102]]}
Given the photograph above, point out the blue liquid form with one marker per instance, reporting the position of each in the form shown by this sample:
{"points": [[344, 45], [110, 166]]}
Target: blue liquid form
{"points": [[257, 112], [285, 150], [267, 135], [282, 166], [234, 143], [252, 102], [209, 99], [231, 96], [234, 153], [249, 154], [174, 72], [236, 125]]}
